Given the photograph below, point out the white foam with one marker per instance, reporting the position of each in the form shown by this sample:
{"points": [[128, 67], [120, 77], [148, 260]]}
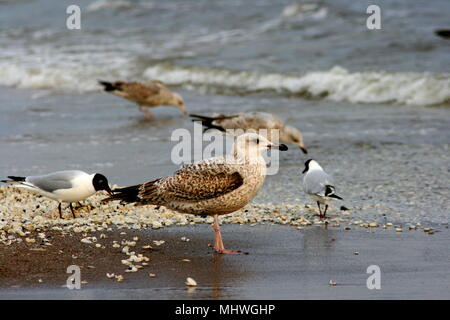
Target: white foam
{"points": [[336, 84]]}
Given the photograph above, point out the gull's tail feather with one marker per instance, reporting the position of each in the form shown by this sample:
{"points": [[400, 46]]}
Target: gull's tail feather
{"points": [[141, 194], [125, 195], [108, 86], [14, 179], [330, 192], [207, 122]]}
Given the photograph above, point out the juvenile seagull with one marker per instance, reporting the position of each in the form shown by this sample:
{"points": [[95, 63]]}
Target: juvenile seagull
{"points": [[253, 121], [318, 185], [63, 186], [214, 187], [145, 94]]}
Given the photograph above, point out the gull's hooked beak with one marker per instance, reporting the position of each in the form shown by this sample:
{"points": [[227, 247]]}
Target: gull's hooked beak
{"points": [[281, 147]]}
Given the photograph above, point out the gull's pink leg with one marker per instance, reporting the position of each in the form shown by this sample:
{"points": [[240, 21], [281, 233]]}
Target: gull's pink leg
{"points": [[218, 243], [147, 112]]}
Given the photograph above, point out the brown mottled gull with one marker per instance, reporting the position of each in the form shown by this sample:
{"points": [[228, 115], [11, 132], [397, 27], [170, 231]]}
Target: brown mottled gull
{"points": [[254, 121], [215, 186], [145, 94]]}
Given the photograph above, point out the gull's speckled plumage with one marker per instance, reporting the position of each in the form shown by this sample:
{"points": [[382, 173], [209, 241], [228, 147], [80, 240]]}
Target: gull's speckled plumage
{"points": [[214, 187], [254, 121], [145, 94]]}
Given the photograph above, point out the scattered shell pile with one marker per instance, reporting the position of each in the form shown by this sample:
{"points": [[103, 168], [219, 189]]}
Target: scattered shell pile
{"points": [[22, 214]]}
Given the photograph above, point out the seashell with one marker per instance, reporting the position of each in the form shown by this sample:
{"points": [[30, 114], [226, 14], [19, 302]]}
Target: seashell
{"points": [[190, 282], [332, 283], [119, 278], [86, 240], [373, 224], [398, 229], [152, 275], [110, 275], [131, 269], [158, 242]]}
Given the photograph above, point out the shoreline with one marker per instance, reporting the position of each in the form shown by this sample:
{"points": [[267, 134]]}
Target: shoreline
{"points": [[287, 244], [283, 263]]}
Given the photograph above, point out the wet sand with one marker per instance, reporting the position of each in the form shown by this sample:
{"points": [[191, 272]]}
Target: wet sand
{"points": [[283, 263]]}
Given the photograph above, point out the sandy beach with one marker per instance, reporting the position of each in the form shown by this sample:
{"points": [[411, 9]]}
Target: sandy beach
{"points": [[283, 263], [291, 254]]}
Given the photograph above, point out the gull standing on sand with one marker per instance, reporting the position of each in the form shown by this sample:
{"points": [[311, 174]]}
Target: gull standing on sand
{"points": [[213, 187], [254, 121], [63, 186], [145, 94], [318, 185]]}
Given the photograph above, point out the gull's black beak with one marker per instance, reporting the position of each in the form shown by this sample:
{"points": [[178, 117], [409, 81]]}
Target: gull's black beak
{"points": [[108, 189], [304, 150], [281, 147], [306, 169]]}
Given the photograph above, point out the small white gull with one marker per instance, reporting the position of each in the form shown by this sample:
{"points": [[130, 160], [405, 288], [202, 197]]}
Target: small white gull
{"points": [[319, 185], [63, 186]]}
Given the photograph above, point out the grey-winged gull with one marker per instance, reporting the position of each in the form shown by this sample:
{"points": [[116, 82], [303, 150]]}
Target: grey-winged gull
{"points": [[319, 185], [63, 186]]}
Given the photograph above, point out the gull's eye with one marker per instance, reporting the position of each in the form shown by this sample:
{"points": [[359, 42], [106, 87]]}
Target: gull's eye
{"points": [[257, 141]]}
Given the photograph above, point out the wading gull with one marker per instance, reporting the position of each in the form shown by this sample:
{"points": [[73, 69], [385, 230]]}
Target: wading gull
{"points": [[319, 185], [63, 186], [145, 94], [254, 121], [214, 187]]}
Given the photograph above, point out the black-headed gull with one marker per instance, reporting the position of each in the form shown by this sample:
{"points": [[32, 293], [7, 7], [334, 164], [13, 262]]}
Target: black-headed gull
{"points": [[319, 185], [63, 186]]}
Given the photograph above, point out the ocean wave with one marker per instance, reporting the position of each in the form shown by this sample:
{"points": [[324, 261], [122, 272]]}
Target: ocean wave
{"points": [[336, 84]]}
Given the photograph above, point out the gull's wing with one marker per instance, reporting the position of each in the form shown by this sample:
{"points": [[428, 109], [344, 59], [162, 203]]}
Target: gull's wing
{"points": [[53, 181], [138, 91], [315, 182], [199, 181]]}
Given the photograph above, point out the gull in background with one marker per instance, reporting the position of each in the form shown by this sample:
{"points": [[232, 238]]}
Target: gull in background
{"points": [[145, 94], [319, 185], [63, 186], [211, 187], [253, 121]]}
